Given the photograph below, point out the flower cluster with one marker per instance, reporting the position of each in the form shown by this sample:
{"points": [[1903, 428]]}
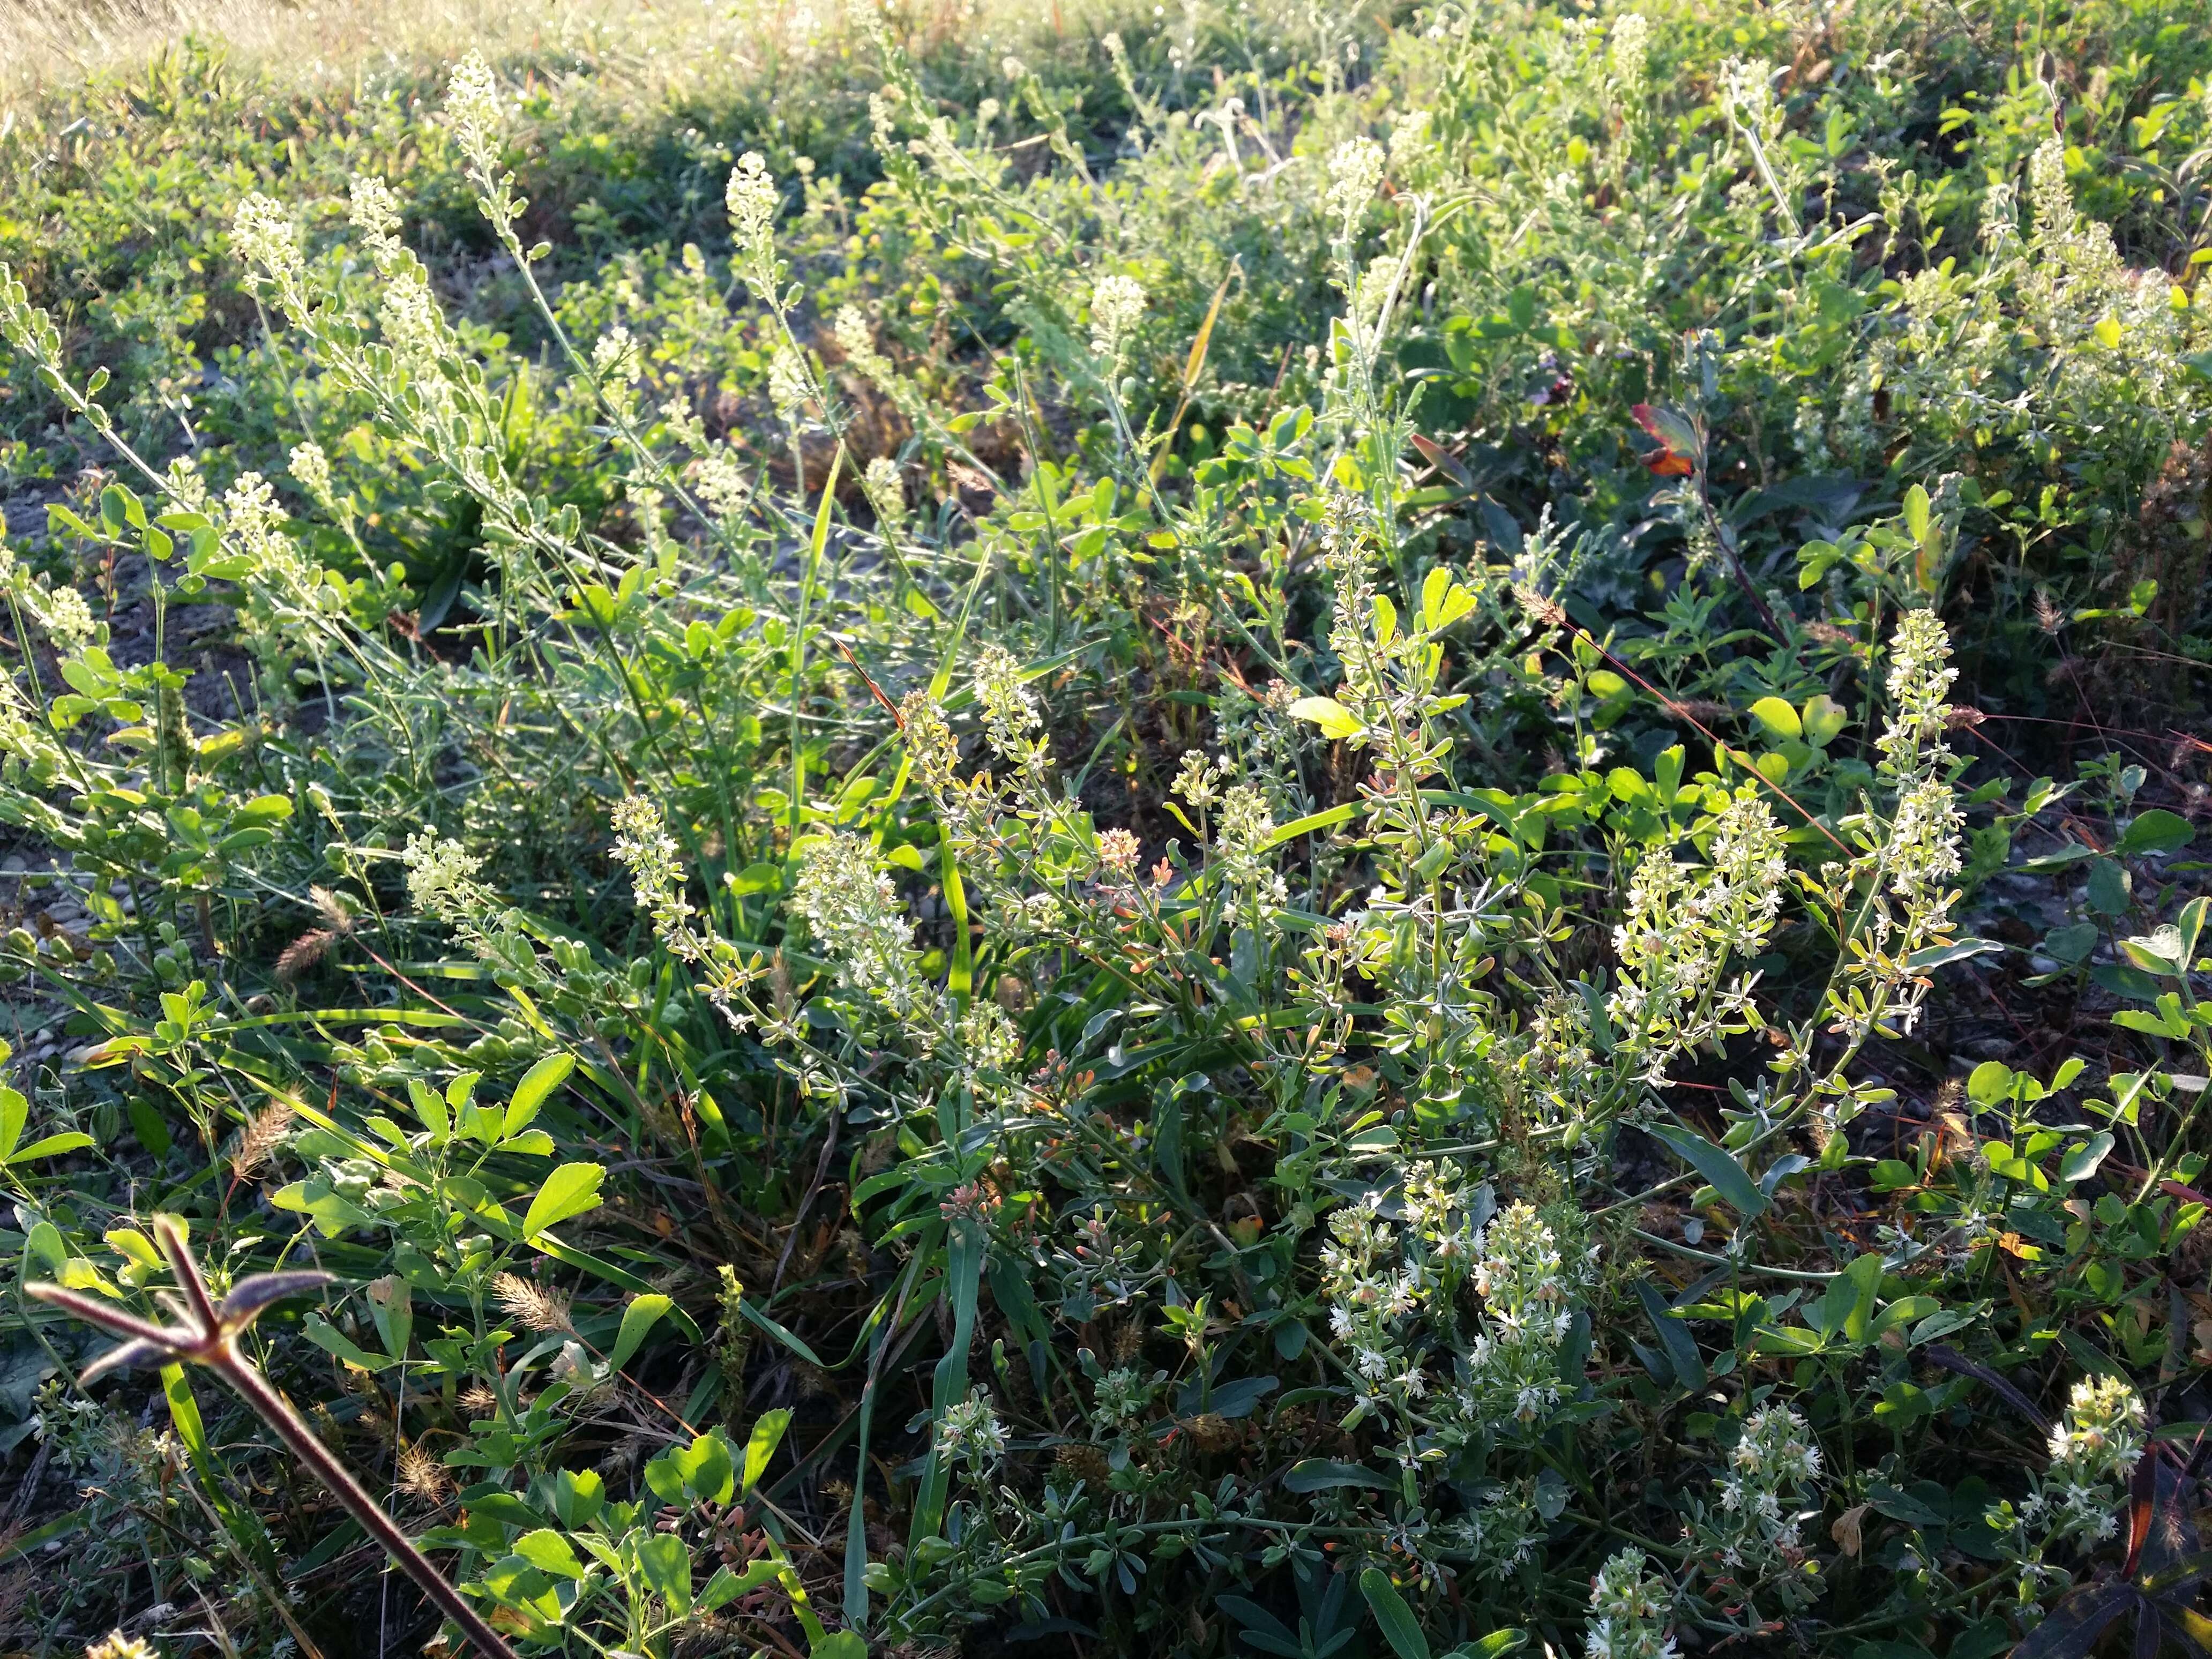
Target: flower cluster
{"points": [[886, 493], [971, 1433], [1500, 1532], [990, 1051], [311, 468], [1629, 1611], [62, 611], [2092, 1452], [1355, 173], [255, 523], [1628, 49], [267, 244], [643, 843], [722, 484], [1367, 1291], [1683, 923], [1513, 1363], [752, 197], [1241, 839], [1920, 677], [1774, 1462], [442, 879], [1116, 304], [930, 742], [1010, 711], [474, 108], [853, 909]]}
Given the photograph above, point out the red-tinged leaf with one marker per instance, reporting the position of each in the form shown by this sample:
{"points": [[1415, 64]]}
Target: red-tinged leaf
{"points": [[1677, 437], [2075, 1623], [2142, 1500], [1444, 461]]}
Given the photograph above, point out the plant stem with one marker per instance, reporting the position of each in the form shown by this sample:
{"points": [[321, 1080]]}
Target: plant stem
{"points": [[277, 1412]]}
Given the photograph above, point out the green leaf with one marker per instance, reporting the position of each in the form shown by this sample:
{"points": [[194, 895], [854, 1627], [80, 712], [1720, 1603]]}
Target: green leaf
{"points": [[839, 1644], [1334, 720], [1847, 1305], [760, 1447], [1321, 1473], [2081, 1162], [638, 1319], [2071, 1628], [2108, 887], [70, 1140], [1681, 1348], [1400, 1628], [1919, 517], [1779, 718], [725, 1586], [1495, 1645], [2155, 832], [665, 1563], [342, 1348], [1721, 1172], [548, 1552], [1823, 719], [1989, 1083], [14, 1108], [538, 1082], [705, 1466], [789, 1339], [569, 1191], [1958, 950]]}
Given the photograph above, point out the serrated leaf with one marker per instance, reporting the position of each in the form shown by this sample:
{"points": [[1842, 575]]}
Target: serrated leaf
{"points": [[570, 1190], [538, 1082]]}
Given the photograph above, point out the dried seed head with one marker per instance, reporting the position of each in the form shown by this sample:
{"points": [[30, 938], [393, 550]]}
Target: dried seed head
{"points": [[332, 909], [531, 1306], [304, 952], [262, 1136], [421, 1475]]}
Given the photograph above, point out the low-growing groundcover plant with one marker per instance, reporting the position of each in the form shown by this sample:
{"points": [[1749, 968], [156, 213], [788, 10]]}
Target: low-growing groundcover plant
{"points": [[1287, 833]]}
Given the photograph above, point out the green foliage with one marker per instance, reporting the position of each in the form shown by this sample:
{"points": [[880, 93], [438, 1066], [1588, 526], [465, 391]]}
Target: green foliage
{"points": [[1277, 833]]}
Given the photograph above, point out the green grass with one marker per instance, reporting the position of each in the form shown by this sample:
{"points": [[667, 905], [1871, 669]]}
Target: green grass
{"points": [[1245, 831]]}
